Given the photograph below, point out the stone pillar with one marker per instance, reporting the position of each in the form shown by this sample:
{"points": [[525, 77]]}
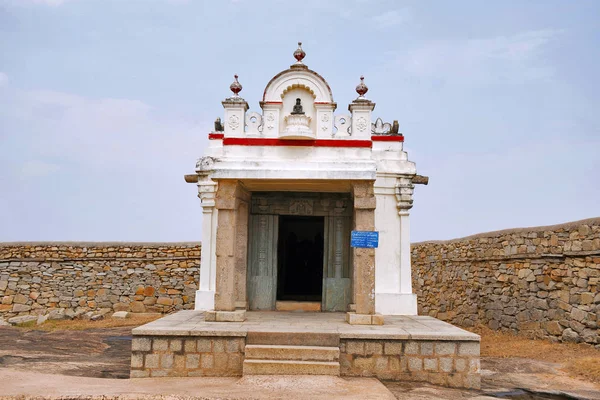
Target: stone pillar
{"points": [[393, 287], [404, 192], [228, 198], [364, 259], [207, 188], [241, 247]]}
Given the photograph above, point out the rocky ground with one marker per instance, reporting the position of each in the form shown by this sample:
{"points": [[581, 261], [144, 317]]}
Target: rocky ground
{"points": [[94, 363]]}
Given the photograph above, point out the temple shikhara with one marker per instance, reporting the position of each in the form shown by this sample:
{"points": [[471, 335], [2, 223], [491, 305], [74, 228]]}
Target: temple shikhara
{"points": [[306, 264], [282, 190]]}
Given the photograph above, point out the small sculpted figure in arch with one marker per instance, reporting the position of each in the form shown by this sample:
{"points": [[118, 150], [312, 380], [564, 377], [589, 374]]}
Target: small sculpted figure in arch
{"points": [[298, 108]]}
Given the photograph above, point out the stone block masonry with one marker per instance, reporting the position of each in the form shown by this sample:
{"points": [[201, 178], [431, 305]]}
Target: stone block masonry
{"points": [[67, 280], [156, 356], [447, 363], [542, 282]]}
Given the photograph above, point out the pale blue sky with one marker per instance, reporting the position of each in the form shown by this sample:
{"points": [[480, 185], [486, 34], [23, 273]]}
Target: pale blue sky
{"points": [[105, 105]]}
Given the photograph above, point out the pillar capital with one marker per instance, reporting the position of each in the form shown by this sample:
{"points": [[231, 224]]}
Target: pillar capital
{"points": [[364, 195], [404, 192], [207, 188]]}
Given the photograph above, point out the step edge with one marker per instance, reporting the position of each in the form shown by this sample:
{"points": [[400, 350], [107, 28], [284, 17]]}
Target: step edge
{"points": [[291, 362], [291, 347]]}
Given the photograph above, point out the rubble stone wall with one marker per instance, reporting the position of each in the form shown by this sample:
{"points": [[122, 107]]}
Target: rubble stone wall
{"points": [[543, 282], [85, 279]]}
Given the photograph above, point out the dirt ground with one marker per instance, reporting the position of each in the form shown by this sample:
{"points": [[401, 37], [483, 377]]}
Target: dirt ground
{"points": [[93, 362]]}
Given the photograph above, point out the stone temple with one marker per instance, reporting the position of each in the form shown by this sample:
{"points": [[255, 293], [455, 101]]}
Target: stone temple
{"points": [[305, 265], [281, 191]]}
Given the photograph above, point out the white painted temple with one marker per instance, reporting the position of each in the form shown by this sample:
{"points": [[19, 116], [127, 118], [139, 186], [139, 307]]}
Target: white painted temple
{"points": [[283, 189]]}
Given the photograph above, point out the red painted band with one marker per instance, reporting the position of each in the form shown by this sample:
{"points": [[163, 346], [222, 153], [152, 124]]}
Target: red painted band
{"points": [[285, 142], [387, 138], [213, 136]]}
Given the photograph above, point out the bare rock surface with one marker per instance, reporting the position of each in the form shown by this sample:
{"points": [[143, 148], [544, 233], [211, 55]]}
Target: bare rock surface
{"points": [[94, 364], [21, 383]]}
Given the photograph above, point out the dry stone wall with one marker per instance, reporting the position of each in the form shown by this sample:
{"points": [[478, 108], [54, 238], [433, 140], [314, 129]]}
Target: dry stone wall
{"points": [[67, 280], [543, 282]]}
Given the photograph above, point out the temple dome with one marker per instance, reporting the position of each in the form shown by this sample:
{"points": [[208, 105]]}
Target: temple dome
{"points": [[295, 77]]}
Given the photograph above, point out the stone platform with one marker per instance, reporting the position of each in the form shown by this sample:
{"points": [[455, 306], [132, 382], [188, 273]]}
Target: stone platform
{"points": [[405, 348]]}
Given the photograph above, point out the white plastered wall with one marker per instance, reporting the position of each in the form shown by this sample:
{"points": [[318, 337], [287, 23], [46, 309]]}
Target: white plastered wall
{"points": [[393, 285]]}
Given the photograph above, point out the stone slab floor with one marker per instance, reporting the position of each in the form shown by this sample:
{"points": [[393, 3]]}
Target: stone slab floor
{"points": [[396, 327], [94, 363]]}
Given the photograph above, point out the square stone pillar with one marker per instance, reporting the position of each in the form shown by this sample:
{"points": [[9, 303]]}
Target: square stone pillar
{"points": [[230, 253], [364, 259], [205, 295], [241, 248]]}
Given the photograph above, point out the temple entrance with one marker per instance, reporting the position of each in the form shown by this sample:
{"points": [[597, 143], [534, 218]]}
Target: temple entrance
{"points": [[300, 258]]}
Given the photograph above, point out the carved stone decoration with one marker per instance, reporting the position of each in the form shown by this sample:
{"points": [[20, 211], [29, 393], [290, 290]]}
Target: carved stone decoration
{"points": [[218, 125], [361, 124], [404, 192], [207, 188], [299, 54], [234, 122], [253, 123], [236, 86], [301, 207], [324, 120], [341, 207], [270, 121], [380, 128], [343, 124], [263, 205], [205, 164], [297, 124], [298, 108], [395, 127], [361, 88]]}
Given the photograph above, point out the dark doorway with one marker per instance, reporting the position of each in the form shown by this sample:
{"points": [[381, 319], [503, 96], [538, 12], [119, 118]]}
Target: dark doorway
{"points": [[300, 258]]}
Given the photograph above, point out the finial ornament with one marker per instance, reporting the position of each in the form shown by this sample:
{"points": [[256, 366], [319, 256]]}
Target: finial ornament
{"points": [[299, 54], [361, 88], [235, 87]]}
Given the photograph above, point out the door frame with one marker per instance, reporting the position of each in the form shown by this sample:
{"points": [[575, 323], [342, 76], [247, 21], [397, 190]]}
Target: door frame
{"points": [[334, 207]]}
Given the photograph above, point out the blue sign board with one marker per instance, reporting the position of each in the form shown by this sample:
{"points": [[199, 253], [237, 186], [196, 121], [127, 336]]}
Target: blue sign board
{"points": [[366, 239]]}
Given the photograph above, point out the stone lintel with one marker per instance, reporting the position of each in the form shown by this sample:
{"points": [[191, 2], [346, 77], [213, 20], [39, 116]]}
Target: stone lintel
{"points": [[225, 316]]}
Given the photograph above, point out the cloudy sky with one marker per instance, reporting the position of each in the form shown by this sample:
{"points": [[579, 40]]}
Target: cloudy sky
{"points": [[105, 105]]}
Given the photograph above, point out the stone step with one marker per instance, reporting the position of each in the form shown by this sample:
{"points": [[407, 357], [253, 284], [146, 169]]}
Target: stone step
{"points": [[291, 353], [306, 306], [294, 338], [286, 367]]}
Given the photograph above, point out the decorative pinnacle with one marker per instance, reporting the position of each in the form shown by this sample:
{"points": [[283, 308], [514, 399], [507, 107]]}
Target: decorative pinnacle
{"points": [[299, 54], [235, 87], [361, 88]]}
